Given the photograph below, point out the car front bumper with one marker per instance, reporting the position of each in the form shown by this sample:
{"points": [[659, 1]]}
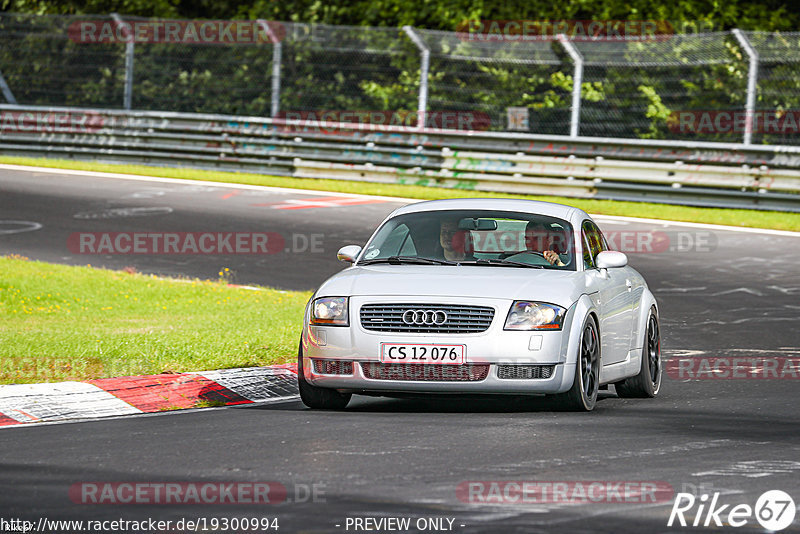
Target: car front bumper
{"points": [[493, 347]]}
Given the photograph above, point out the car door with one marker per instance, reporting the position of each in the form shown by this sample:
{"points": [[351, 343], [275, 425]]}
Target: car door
{"points": [[614, 297]]}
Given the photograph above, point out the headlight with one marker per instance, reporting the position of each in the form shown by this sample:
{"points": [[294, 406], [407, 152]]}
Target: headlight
{"points": [[525, 315], [330, 311]]}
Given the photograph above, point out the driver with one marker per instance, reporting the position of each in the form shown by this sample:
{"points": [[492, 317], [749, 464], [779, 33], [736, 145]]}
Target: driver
{"points": [[542, 239]]}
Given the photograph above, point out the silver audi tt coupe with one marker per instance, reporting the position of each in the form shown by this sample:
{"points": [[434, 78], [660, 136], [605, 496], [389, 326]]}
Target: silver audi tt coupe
{"points": [[481, 296]]}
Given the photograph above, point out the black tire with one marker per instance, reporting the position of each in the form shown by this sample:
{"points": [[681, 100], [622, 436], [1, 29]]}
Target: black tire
{"points": [[315, 397], [582, 396], [647, 383]]}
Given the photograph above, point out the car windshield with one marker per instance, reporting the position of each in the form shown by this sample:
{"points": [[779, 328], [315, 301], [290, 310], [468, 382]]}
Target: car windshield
{"points": [[473, 237]]}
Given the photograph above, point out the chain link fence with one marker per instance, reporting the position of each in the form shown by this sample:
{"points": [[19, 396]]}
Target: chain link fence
{"points": [[40, 64], [778, 86], [645, 88], [218, 77], [347, 68], [515, 83], [722, 86]]}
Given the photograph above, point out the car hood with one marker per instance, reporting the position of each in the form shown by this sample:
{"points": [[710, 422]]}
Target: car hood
{"points": [[556, 287]]}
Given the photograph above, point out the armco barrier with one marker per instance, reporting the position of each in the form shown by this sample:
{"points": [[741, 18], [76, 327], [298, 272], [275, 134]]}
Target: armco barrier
{"points": [[703, 174]]}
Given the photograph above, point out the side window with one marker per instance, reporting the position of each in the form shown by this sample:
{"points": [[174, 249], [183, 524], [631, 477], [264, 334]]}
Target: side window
{"points": [[393, 240], [603, 242], [398, 242], [408, 248], [588, 260], [593, 244]]}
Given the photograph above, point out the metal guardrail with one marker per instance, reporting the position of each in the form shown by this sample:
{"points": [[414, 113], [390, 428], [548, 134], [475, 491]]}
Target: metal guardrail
{"points": [[701, 174]]}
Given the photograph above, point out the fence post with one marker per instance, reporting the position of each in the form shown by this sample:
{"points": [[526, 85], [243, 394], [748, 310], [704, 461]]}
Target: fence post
{"points": [[9, 96], [752, 78], [128, 91], [277, 58], [425, 64], [577, 79]]}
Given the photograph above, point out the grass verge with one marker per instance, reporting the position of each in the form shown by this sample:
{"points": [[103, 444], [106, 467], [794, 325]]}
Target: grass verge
{"points": [[76, 323], [731, 217]]}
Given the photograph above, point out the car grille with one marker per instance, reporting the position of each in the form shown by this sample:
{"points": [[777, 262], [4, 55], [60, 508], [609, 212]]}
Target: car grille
{"points": [[333, 367], [524, 372], [425, 372], [460, 319]]}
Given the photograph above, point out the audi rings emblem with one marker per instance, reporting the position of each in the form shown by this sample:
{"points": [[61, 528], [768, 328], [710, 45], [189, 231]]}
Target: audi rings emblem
{"points": [[426, 317]]}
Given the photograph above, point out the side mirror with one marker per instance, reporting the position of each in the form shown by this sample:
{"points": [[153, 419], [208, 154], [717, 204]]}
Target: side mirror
{"points": [[609, 259], [348, 253]]}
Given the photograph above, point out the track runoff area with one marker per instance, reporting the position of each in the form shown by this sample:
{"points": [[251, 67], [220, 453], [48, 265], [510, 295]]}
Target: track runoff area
{"points": [[712, 448]]}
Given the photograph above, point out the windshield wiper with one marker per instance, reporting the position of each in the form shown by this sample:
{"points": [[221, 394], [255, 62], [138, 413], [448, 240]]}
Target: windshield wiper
{"points": [[397, 260], [502, 263]]}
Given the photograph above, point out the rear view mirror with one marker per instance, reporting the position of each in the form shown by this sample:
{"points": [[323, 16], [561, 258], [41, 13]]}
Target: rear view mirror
{"points": [[481, 225]]}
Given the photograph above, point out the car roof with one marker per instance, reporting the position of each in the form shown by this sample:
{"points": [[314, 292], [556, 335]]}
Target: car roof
{"points": [[550, 209]]}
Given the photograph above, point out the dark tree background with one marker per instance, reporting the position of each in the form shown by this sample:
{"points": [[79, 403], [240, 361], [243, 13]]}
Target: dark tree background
{"points": [[443, 15], [346, 67]]}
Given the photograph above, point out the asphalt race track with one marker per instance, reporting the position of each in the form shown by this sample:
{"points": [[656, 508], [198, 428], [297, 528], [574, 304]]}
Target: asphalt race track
{"points": [[722, 294]]}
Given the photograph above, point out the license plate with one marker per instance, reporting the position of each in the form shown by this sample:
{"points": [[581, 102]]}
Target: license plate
{"points": [[434, 354]]}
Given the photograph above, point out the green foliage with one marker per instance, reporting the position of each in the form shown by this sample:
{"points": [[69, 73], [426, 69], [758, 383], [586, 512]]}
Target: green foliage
{"points": [[655, 110], [61, 322], [350, 69], [706, 15]]}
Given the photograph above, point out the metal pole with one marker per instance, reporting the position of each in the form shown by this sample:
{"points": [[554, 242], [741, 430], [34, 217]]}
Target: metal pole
{"points": [[9, 96], [128, 92], [277, 55], [752, 78], [577, 79], [425, 64]]}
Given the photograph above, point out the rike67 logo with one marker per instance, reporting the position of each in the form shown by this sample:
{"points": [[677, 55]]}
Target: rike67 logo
{"points": [[774, 510]]}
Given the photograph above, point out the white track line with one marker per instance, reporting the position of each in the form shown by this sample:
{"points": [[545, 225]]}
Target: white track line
{"points": [[135, 177], [665, 222], [157, 179]]}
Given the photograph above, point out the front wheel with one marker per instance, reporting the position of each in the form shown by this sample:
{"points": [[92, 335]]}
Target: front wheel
{"points": [[316, 397], [648, 382], [582, 396]]}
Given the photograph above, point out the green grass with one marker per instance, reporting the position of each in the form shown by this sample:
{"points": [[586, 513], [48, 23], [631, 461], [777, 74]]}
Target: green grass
{"points": [[731, 217], [75, 323]]}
